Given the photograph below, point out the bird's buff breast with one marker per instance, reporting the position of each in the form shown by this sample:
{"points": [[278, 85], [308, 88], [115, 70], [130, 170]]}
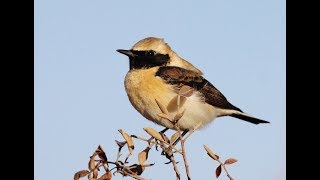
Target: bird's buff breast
{"points": [[143, 87]]}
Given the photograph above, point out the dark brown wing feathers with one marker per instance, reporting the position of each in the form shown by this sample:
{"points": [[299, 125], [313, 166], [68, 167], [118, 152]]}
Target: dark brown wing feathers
{"points": [[177, 76]]}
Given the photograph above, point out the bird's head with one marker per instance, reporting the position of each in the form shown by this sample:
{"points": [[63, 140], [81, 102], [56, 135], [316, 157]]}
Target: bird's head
{"points": [[154, 52]]}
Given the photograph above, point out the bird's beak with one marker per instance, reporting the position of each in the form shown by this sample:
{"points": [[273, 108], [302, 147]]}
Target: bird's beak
{"points": [[129, 53]]}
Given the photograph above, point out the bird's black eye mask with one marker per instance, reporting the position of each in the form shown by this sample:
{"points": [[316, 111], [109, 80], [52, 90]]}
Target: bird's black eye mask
{"points": [[147, 59]]}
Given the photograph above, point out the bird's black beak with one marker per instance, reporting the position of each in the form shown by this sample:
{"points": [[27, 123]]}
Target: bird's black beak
{"points": [[129, 53]]}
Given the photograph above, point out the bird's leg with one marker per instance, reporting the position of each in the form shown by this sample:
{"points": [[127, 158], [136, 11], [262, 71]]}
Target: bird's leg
{"points": [[178, 139], [184, 133], [191, 132], [164, 130]]}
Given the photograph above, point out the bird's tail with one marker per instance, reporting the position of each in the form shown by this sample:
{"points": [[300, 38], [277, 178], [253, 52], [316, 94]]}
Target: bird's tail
{"points": [[248, 118]]}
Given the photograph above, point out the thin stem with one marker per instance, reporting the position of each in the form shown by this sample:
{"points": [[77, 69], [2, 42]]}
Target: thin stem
{"points": [[173, 147], [141, 138], [175, 167], [155, 142], [170, 156], [183, 153], [182, 142], [131, 175], [118, 156]]}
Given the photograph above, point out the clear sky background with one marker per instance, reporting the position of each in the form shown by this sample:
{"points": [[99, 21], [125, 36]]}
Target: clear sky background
{"points": [[80, 101]]}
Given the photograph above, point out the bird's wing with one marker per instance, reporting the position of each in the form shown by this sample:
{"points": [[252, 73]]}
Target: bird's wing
{"points": [[180, 76]]}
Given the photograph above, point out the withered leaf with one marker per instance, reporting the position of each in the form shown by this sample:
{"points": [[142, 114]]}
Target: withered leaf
{"points": [[179, 115], [177, 101], [101, 154], [80, 174], [217, 157], [153, 133], [128, 139], [174, 137], [137, 169], [186, 91], [134, 136], [143, 155], [121, 144], [162, 108], [147, 165], [164, 116], [210, 153], [106, 176], [168, 162], [218, 171], [230, 161]]}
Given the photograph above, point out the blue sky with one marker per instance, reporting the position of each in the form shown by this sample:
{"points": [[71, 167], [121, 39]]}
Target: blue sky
{"points": [[80, 101]]}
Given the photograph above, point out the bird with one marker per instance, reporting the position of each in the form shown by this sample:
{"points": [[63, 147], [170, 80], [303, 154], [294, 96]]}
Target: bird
{"points": [[157, 74]]}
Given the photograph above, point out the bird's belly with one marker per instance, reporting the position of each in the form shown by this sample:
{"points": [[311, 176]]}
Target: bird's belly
{"points": [[144, 89]]}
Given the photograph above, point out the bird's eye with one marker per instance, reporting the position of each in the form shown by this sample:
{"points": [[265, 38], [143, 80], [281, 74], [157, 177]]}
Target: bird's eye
{"points": [[150, 53]]}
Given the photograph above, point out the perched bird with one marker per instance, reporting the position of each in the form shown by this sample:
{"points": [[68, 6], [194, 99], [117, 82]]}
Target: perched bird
{"points": [[155, 77]]}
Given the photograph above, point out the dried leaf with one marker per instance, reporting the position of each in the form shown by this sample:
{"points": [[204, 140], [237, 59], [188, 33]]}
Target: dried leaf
{"points": [[137, 169], [164, 136], [162, 115], [168, 162], [128, 139], [162, 108], [210, 153], [92, 164], [101, 154], [147, 165], [186, 91], [143, 155], [95, 173], [218, 171], [121, 144], [153, 133], [230, 161], [178, 116], [173, 104], [174, 137], [106, 176], [80, 174]]}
